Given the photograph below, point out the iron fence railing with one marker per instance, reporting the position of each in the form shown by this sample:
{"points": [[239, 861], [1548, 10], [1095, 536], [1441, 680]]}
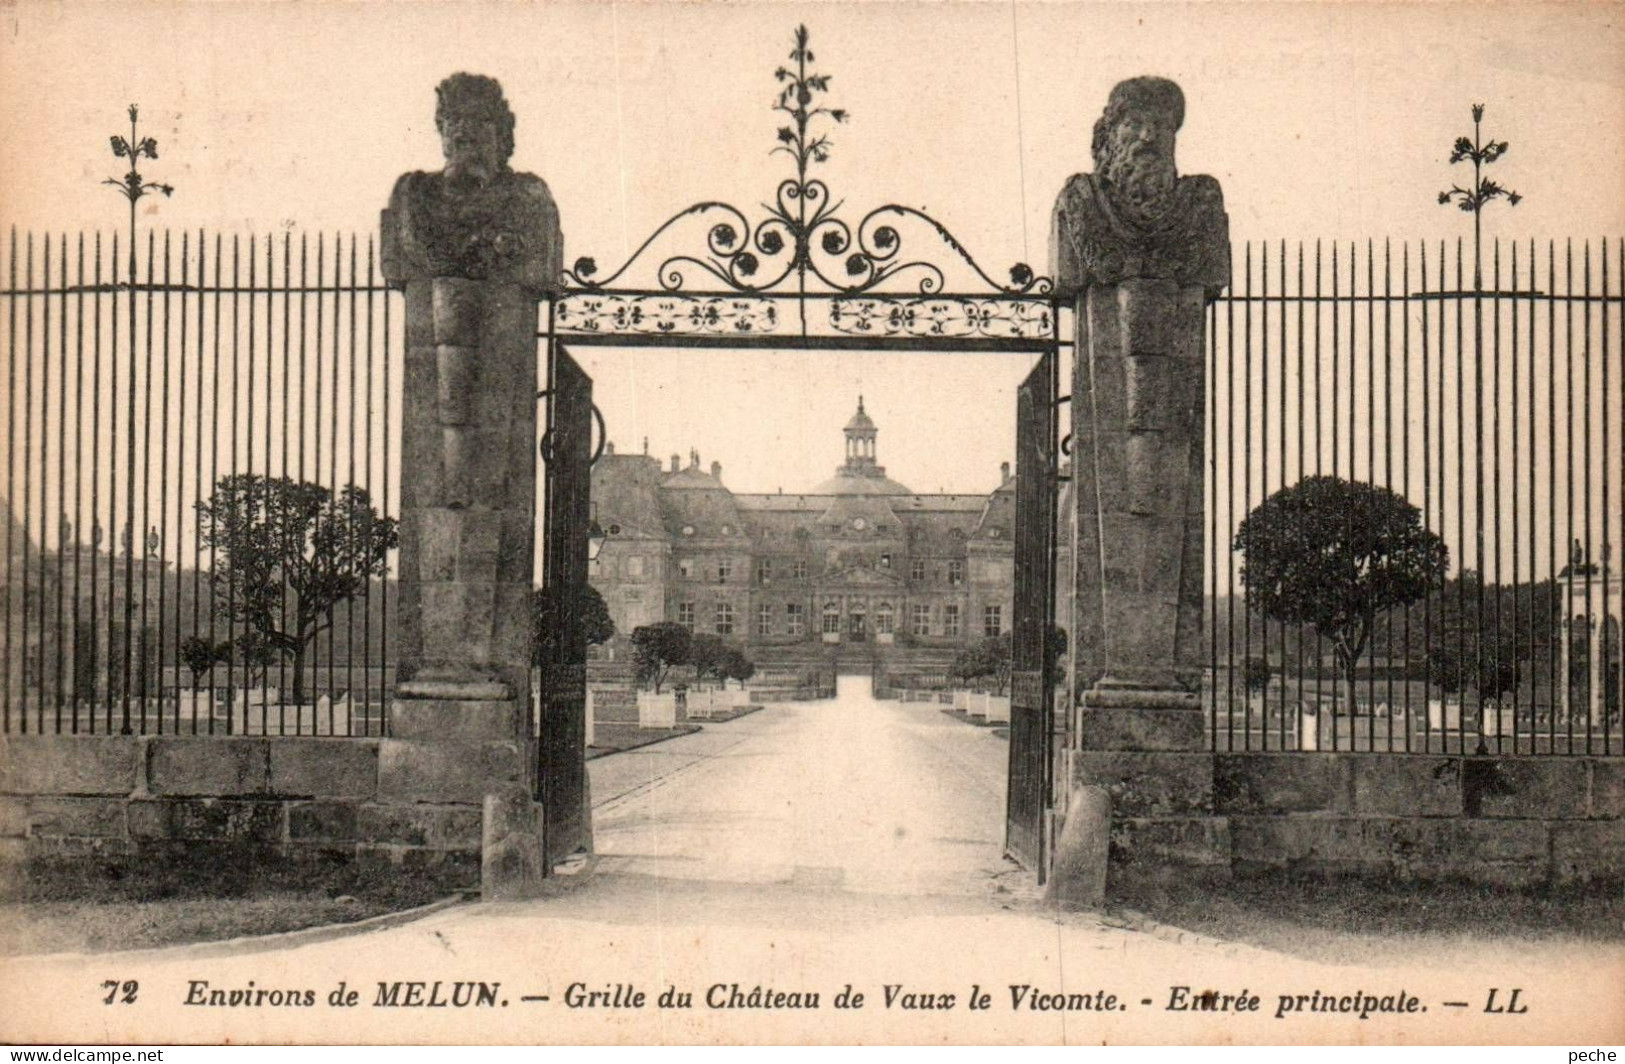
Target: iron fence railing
{"points": [[1489, 396], [138, 379], [133, 385]]}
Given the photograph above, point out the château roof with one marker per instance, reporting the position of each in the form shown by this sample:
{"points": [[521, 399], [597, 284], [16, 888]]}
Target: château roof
{"points": [[849, 483], [691, 479]]}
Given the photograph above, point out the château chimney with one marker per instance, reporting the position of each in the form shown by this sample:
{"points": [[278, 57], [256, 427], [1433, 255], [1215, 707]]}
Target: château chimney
{"points": [[1004, 472], [716, 470], [676, 463]]}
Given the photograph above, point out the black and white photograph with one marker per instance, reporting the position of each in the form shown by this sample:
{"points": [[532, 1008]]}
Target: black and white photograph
{"points": [[812, 523]]}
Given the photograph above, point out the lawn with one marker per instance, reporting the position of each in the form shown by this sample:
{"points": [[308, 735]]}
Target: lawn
{"points": [[1365, 920], [75, 908]]}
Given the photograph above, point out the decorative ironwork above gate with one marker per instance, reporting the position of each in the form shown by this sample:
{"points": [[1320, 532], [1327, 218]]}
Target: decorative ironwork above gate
{"points": [[717, 273]]}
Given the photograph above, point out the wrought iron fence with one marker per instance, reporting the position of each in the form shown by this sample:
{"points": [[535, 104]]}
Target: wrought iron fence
{"points": [[1488, 394], [136, 384], [256, 377]]}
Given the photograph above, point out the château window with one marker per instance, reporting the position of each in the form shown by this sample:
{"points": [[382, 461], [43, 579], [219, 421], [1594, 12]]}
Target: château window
{"points": [[950, 620], [798, 570], [764, 571], [795, 618], [885, 561], [883, 618], [916, 569], [725, 569], [725, 618], [956, 572], [685, 568], [685, 615], [764, 619], [832, 618], [993, 621], [921, 619]]}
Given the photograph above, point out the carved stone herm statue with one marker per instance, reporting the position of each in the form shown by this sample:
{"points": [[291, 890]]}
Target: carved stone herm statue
{"points": [[1140, 250], [1135, 217], [474, 246], [477, 218]]}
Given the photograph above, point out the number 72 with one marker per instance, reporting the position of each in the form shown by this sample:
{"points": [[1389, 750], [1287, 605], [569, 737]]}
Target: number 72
{"points": [[125, 991]]}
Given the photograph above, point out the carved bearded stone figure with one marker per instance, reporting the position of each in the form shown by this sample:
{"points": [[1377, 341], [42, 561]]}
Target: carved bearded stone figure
{"points": [[1135, 217], [474, 246], [476, 218], [1140, 250]]}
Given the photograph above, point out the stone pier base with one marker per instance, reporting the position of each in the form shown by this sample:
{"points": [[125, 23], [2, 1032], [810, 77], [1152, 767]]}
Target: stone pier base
{"points": [[1143, 776], [511, 862], [467, 741]]}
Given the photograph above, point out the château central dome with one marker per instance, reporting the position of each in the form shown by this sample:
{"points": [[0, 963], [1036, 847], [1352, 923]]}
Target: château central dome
{"points": [[861, 475], [853, 483]]}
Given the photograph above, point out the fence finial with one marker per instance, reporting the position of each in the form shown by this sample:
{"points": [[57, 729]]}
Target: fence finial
{"points": [[132, 186], [1484, 189]]}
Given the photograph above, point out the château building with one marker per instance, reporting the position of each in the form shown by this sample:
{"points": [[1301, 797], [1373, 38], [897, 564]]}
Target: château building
{"points": [[855, 563]]}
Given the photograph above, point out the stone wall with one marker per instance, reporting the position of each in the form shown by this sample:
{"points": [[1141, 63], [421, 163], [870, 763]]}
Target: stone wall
{"points": [[1516, 822], [328, 801]]}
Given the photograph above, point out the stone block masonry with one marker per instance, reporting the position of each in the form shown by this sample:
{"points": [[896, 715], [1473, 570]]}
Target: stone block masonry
{"points": [[114, 799], [1504, 821], [1514, 822]]}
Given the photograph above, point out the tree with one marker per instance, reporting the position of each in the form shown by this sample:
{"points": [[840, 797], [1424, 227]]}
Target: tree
{"points": [[709, 656], [1475, 646], [1335, 554], [737, 665], [656, 648], [286, 554], [994, 658], [254, 652], [986, 659], [201, 656], [599, 626]]}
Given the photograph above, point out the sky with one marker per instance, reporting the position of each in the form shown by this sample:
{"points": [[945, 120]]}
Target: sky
{"points": [[1320, 120]]}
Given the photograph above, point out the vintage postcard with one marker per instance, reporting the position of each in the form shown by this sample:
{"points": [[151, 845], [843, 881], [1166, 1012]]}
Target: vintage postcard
{"points": [[719, 523]]}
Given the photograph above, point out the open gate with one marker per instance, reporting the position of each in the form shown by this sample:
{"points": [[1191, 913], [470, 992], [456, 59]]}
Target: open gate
{"points": [[801, 278], [1032, 679], [567, 455]]}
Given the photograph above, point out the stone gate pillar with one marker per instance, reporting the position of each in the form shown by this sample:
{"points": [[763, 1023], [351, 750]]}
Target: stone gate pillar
{"points": [[1140, 251], [474, 246]]}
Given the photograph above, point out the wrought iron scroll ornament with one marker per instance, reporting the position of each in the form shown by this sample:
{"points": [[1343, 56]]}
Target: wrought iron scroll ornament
{"points": [[803, 239], [544, 446]]}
